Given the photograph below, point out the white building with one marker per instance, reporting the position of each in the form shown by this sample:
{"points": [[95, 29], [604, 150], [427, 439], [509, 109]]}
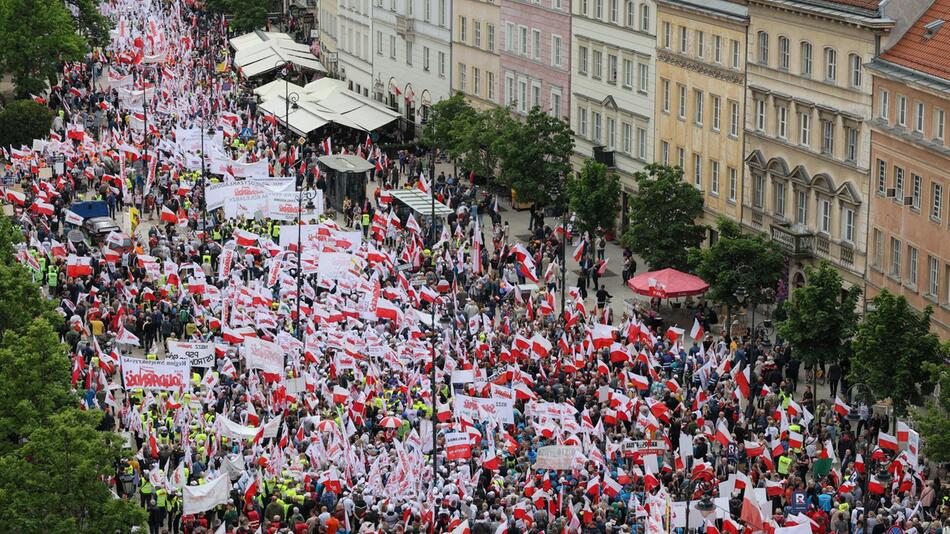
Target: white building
{"points": [[612, 85], [353, 42], [411, 56]]}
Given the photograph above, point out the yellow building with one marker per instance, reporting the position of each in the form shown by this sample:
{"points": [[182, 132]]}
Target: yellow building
{"points": [[700, 98], [475, 51]]}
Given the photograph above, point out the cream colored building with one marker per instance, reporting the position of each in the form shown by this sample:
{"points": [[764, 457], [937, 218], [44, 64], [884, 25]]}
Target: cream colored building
{"points": [[476, 41], [700, 98], [807, 134], [327, 26]]}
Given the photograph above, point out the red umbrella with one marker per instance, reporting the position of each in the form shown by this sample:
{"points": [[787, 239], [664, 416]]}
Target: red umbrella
{"points": [[390, 422], [327, 425], [667, 283]]}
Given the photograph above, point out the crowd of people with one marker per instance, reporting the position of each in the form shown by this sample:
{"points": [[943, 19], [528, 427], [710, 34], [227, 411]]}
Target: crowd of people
{"points": [[546, 414]]}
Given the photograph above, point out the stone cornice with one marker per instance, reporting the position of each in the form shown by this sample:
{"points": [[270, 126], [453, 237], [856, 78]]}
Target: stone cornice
{"points": [[720, 73]]}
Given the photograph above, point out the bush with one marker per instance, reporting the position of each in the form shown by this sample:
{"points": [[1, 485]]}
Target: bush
{"points": [[23, 121]]}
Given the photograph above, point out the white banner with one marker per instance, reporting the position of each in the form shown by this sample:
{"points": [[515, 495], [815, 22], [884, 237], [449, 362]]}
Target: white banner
{"points": [[198, 354], [264, 355], [238, 431], [285, 206], [249, 207], [312, 240], [217, 194], [498, 408], [197, 499], [556, 457], [167, 374]]}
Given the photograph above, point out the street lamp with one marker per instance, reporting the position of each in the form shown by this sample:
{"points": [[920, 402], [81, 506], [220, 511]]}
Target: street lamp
{"points": [[309, 195]]}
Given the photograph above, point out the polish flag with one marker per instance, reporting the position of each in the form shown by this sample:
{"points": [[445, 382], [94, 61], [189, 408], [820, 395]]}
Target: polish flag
{"points": [[730, 527], [753, 448], [245, 238], [251, 491], [875, 486], [696, 332], [639, 381], [751, 515], [16, 197], [593, 486], [72, 217], [579, 251], [611, 486], [842, 408], [795, 440], [903, 432], [43, 208], [774, 489], [385, 309], [78, 266], [742, 381], [603, 336], [169, 215], [423, 184], [723, 435], [540, 345], [886, 441]]}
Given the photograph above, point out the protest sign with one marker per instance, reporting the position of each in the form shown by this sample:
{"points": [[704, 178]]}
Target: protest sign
{"points": [[285, 206], [197, 499], [263, 355], [555, 457], [197, 354], [458, 446], [167, 374]]}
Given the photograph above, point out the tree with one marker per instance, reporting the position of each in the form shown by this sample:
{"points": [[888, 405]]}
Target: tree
{"points": [[475, 134], [534, 157], [34, 380], [934, 420], [54, 482], [20, 298], [36, 36], [442, 129], [663, 217], [23, 121], [247, 15], [91, 23], [594, 196], [891, 348], [717, 265], [820, 317]]}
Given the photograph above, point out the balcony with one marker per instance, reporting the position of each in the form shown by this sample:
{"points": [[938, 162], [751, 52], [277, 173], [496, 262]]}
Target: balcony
{"points": [[604, 155], [406, 27], [798, 243], [846, 254], [823, 245]]}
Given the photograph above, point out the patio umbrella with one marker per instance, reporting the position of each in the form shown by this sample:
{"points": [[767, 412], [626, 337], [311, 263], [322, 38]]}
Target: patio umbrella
{"points": [[667, 283], [390, 422]]}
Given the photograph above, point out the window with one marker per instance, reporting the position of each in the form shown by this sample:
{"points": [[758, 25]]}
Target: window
{"points": [[596, 129], [523, 41], [851, 134], [665, 152], [912, 265], [854, 61], [825, 222], [476, 81], [536, 44], [804, 122], [441, 12], [511, 97], [644, 78], [582, 120], [441, 64], [379, 42], [878, 260], [477, 30], [613, 11], [582, 60], [898, 184], [802, 208], [409, 53], [901, 110], [734, 46], [716, 111], [758, 198], [827, 137], [556, 4], [510, 37], [598, 63], [760, 115], [734, 119], [409, 6], [627, 138], [598, 9], [644, 17], [714, 177], [831, 64], [462, 77], [427, 11], [763, 48], [936, 201], [806, 59], [523, 96], [392, 46], [684, 44], [628, 73], [681, 158], [491, 37], [667, 35], [665, 85], [933, 276], [463, 30], [491, 86], [631, 18], [681, 89], [641, 143], [584, 7], [555, 102], [733, 184], [882, 111], [698, 170], [939, 118], [611, 132], [847, 225], [782, 122], [425, 58], [556, 50], [783, 52], [881, 177], [701, 43], [717, 49], [611, 68], [916, 184], [698, 97], [919, 118], [780, 199]]}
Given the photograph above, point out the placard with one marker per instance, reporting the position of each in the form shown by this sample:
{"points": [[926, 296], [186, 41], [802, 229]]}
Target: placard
{"points": [[263, 355], [197, 354], [555, 457], [458, 446], [167, 374]]}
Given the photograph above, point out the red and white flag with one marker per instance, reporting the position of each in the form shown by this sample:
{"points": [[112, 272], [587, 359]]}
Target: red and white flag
{"points": [[696, 332], [887, 441], [842, 408]]}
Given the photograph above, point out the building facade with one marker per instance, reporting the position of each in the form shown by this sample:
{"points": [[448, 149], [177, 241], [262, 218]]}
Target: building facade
{"points": [[476, 41], [412, 55], [327, 26], [910, 157], [354, 52], [536, 56], [700, 98], [612, 86], [808, 104]]}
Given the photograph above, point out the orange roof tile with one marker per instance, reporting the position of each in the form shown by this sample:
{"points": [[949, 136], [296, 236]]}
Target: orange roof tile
{"points": [[863, 4], [914, 51]]}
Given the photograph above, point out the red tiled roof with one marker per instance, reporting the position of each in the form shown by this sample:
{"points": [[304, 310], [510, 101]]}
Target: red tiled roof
{"points": [[932, 55], [863, 4]]}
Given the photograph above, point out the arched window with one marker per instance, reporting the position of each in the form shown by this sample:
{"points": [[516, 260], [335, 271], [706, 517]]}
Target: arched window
{"points": [[806, 58], [831, 64], [854, 62], [763, 48], [783, 52]]}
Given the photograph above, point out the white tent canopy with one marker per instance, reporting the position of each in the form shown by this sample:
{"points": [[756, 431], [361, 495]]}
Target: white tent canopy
{"points": [[259, 52], [320, 102], [420, 202]]}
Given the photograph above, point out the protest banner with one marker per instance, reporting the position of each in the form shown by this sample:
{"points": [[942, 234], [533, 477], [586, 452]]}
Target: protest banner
{"points": [[263, 355], [197, 354], [234, 430], [167, 374], [636, 448], [555, 457], [285, 206], [458, 446], [197, 499]]}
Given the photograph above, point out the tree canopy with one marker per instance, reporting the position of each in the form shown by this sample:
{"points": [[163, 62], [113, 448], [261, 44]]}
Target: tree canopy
{"points": [[891, 349], [534, 157], [22, 121], [934, 419], [594, 195], [663, 216], [442, 129]]}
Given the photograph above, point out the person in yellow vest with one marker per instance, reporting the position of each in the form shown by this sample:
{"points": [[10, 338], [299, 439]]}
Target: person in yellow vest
{"points": [[145, 489], [52, 276]]}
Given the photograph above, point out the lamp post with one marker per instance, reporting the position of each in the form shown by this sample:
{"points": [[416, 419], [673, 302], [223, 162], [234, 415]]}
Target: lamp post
{"points": [[309, 194], [882, 476], [741, 293]]}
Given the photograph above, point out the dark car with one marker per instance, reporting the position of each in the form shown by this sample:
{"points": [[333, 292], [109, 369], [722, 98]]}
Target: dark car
{"points": [[99, 227]]}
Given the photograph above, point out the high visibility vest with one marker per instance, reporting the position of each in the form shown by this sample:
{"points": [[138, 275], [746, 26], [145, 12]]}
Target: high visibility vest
{"points": [[216, 235], [206, 259], [366, 219], [146, 487], [161, 496], [275, 231], [52, 276], [784, 462]]}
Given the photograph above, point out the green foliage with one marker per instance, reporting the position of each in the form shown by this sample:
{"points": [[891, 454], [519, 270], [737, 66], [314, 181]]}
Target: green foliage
{"points": [[717, 265], [53, 483], [23, 121], [663, 217], [91, 23], [9, 235], [475, 133], [442, 129], [820, 316], [934, 420], [247, 15], [594, 195], [534, 157], [35, 37], [891, 349], [19, 298]]}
